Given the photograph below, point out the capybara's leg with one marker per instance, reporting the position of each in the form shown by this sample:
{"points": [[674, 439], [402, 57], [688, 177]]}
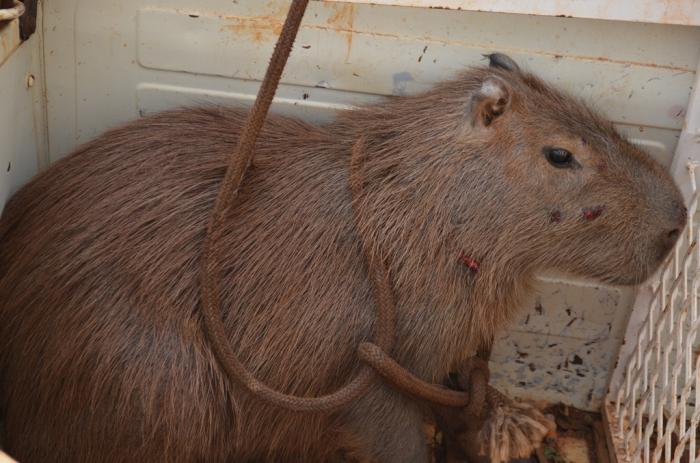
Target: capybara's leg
{"points": [[388, 428]]}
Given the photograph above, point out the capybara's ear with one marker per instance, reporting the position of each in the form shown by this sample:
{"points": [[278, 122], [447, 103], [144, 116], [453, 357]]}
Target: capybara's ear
{"points": [[490, 101], [501, 61]]}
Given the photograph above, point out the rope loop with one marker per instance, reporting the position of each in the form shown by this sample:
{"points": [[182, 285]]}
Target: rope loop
{"points": [[15, 11], [373, 355]]}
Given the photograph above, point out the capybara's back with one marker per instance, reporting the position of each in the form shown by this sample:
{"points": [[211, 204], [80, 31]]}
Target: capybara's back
{"points": [[101, 341]]}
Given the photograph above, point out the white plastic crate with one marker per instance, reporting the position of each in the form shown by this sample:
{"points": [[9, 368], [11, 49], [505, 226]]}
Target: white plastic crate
{"points": [[651, 408], [96, 64], [659, 394]]}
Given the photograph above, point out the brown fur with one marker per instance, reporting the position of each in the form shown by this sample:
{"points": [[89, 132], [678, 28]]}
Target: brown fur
{"points": [[102, 355]]}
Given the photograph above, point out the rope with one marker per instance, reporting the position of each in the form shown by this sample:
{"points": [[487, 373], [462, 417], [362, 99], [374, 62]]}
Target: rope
{"points": [[14, 12], [238, 164], [373, 354], [377, 357], [406, 382]]}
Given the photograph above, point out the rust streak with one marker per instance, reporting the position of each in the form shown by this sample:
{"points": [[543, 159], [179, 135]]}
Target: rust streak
{"points": [[350, 35], [343, 19], [675, 11], [259, 29], [274, 23]]}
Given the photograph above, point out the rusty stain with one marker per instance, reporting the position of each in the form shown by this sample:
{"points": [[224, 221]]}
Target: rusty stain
{"points": [[259, 29], [674, 11], [274, 23], [343, 19]]}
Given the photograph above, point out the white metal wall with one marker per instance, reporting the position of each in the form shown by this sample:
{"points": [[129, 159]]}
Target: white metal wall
{"points": [[21, 110], [108, 61], [685, 12]]}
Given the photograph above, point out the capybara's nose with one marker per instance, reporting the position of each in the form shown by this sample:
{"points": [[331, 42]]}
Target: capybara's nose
{"points": [[676, 222], [672, 236], [667, 241], [678, 215], [682, 215]]}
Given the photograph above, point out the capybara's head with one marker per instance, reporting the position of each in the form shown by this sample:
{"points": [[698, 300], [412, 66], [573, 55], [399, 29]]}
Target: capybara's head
{"points": [[531, 176], [607, 210]]}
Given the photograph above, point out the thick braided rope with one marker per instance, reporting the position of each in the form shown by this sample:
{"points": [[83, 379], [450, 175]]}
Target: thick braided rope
{"points": [[373, 354], [15, 11], [406, 382], [376, 355], [377, 269], [238, 164]]}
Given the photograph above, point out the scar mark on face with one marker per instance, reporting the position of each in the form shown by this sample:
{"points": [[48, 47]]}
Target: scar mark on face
{"points": [[593, 213], [555, 216], [471, 264]]}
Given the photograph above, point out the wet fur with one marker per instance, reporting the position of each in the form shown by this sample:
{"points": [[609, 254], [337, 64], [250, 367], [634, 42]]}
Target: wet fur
{"points": [[102, 355]]}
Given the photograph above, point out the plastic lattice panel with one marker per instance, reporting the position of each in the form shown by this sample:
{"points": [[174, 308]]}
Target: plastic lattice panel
{"points": [[653, 416]]}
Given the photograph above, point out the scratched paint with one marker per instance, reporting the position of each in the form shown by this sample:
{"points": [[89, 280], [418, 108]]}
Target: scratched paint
{"points": [[21, 117], [564, 345], [171, 40], [685, 12], [342, 19], [400, 82]]}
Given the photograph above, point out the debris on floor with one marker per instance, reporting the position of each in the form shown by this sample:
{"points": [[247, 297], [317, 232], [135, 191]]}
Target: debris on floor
{"points": [[579, 438]]}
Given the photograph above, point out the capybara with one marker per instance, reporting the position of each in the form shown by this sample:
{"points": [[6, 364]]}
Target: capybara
{"points": [[469, 189]]}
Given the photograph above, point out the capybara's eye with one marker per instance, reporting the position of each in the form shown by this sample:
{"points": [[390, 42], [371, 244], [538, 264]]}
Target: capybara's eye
{"points": [[559, 157]]}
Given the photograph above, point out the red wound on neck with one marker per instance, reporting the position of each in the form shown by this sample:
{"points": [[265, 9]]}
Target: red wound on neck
{"points": [[592, 213], [469, 262], [555, 216]]}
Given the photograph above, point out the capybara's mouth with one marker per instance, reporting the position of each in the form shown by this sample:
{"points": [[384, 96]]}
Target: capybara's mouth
{"points": [[626, 280], [634, 277]]}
